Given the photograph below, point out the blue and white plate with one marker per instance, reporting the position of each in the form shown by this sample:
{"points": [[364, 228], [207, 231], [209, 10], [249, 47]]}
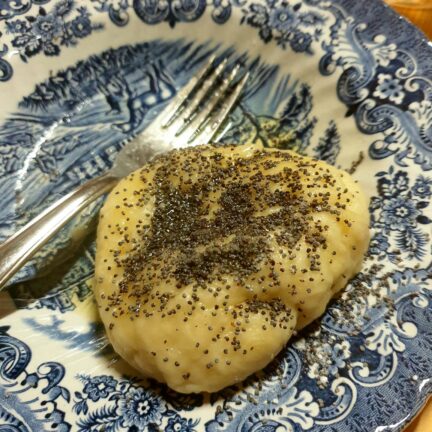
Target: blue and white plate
{"points": [[343, 81]]}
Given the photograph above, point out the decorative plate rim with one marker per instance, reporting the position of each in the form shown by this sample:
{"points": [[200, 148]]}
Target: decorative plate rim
{"points": [[54, 376]]}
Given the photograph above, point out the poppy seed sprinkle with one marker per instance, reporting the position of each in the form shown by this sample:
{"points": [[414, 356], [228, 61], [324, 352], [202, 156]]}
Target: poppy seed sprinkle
{"points": [[215, 255]]}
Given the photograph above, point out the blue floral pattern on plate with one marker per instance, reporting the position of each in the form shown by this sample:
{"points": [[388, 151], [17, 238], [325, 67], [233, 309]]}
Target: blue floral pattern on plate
{"points": [[40, 33], [374, 342]]}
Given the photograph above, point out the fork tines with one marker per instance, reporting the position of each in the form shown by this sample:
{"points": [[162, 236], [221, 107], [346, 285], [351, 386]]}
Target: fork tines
{"points": [[199, 108]]}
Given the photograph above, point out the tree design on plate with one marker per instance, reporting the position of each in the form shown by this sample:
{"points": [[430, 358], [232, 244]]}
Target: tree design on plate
{"points": [[329, 147]]}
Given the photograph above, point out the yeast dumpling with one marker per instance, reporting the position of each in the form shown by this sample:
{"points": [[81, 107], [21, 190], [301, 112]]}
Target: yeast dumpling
{"points": [[209, 258]]}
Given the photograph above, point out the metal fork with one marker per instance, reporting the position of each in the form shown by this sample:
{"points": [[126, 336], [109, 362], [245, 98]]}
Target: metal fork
{"points": [[193, 117]]}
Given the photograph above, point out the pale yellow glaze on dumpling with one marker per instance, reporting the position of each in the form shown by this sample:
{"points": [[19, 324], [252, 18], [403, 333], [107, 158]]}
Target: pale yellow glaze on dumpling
{"points": [[209, 258]]}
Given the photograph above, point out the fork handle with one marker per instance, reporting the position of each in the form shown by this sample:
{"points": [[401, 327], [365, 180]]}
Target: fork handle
{"points": [[19, 248]]}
